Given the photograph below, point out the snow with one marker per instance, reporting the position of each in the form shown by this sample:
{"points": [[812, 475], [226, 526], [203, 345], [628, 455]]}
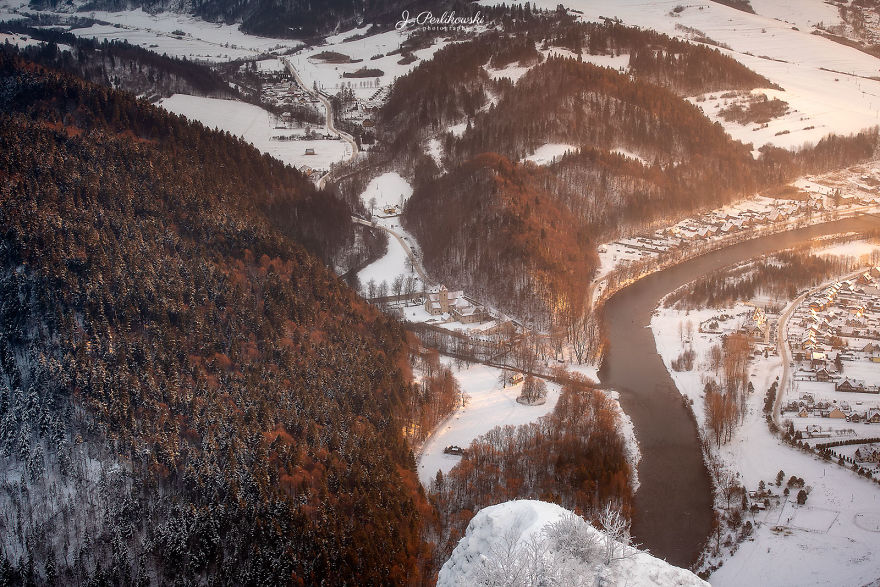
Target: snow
{"points": [[386, 268], [373, 52], [827, 542], [824, 542], [549, 153], [628, 430], [670, 344], [204, 41], [801, 13], [458, 129], [18, 40], [826, 84], [514, 544], [273, 65], [435, 150], [856, 248], [390, 191], [10, 9], [257, 126], [616, 62], [512, 72], [213, 42], [487, 405]]}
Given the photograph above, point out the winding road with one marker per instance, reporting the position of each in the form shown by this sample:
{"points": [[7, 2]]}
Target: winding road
{"points": [[328, 114], [417, 265]]}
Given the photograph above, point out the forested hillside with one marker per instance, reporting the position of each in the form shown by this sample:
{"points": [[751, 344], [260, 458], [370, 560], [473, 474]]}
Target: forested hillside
{"points": [[186, 394], [121, 65], [523, 235], [279, 18]]}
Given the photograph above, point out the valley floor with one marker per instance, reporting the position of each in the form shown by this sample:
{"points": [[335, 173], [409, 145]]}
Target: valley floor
{"points": [[834, 538]]}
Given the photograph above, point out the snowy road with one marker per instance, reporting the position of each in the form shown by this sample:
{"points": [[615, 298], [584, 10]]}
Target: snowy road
{"points": [[328, 109], [413, 259]]}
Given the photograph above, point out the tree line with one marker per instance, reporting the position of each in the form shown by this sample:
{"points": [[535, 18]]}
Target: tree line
{"points": [[575, 456]]}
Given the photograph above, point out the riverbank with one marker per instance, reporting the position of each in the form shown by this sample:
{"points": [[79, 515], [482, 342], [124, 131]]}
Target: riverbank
{"points": [[673, 506], [774, 540]]}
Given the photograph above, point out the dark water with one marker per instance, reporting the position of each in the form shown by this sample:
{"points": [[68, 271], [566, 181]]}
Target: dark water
{"points": [[673, 506]]}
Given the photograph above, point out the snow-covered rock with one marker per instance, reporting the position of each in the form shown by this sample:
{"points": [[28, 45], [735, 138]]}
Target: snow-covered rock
{"points": [[537, 543]]}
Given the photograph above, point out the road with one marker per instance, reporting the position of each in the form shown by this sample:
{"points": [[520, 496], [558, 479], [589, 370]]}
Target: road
{"points": [[782, 341], [784, 353], [328, 113], [417, 265]]}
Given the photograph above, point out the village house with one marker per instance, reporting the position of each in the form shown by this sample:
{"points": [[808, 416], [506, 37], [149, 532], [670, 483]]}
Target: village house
{"points": [[870, 453], [824, 375], [836, 413], [444, 301], [816, 431], [847, 385]]}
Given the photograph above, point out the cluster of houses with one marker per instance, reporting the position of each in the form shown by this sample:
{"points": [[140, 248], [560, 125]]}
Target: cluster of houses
{"points": [[279, 89], [808, 407], [727, 221], [817, 198], [838, 325], [718, 223], [456, 305]]}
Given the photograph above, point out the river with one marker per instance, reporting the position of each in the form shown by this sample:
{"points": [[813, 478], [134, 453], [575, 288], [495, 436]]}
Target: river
{"points": [[673, 505]]}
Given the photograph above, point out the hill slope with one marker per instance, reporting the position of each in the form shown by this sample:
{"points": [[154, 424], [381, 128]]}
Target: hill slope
{"points": [[275, 18], [523, 235], [186, 394]]}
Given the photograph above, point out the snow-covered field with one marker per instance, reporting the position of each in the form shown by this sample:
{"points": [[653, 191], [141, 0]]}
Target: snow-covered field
{"points": [[257, 126], [549, 153], [20, 41], [389, 191], [531, 542], [825, 542], [826, 84], [388, 267], [203, 41], [857, 249], [671, 332], [373, 52], [487, 405]]}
